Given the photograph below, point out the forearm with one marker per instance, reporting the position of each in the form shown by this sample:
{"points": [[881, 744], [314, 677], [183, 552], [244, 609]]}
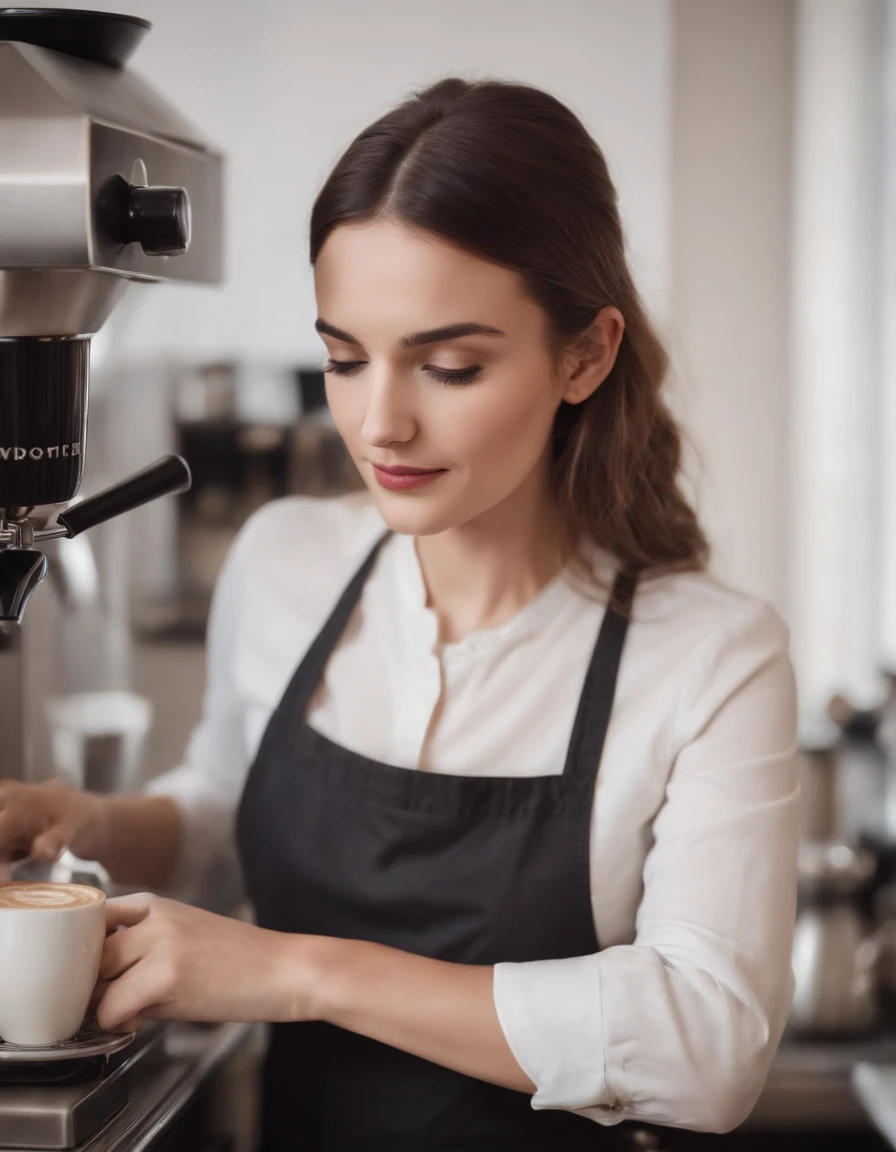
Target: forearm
{"points": [[442, 1012], [136, 839]]}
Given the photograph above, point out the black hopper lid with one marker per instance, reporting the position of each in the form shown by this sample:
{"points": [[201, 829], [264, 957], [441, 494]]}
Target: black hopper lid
{"points": [[103, 37]]}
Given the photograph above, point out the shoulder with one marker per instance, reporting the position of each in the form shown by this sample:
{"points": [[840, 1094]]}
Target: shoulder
{"points": [[292, 558], [719, 646], [704, 607], [282, 577], [331, 525], [693, 609], [302, 539]]}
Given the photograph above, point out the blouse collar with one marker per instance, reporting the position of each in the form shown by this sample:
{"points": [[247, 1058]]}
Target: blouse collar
{"points": [[563, 593]]}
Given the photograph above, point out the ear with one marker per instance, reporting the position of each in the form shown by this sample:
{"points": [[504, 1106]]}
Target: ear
{"points": [[589, 359]]}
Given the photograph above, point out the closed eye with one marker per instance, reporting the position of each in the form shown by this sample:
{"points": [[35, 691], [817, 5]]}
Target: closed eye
{"points": [[451, 376], [343, 367]]}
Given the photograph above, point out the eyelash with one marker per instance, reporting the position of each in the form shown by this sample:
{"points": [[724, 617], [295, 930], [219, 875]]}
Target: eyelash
{"points": [[456, 378]]}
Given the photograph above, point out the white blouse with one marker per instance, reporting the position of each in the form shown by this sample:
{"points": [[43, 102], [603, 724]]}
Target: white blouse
{"points": [[695, 822]]}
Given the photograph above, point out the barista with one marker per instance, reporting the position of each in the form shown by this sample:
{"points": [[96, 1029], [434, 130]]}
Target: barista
{"points": [[509, 776]]}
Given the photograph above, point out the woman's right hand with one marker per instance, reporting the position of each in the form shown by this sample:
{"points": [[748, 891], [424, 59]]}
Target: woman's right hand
{"points": [[42, 819]]}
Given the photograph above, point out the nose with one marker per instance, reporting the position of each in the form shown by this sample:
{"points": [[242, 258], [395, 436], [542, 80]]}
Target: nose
{"points": [[389, 418]]}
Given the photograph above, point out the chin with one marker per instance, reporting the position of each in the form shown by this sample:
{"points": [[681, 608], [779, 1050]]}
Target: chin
{"points": [[412, 514]]}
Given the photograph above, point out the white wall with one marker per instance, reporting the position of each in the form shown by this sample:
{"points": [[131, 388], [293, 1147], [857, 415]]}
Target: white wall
{"points": [[886, 278], [837, 306], [283, 86], [732, 98]]}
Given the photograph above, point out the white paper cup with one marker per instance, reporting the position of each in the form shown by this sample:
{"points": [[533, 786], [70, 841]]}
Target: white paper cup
{"points": [[50, 953]]}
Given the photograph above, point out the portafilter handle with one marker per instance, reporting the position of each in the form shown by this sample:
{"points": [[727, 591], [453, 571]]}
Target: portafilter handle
{"points": [[166, 477]]}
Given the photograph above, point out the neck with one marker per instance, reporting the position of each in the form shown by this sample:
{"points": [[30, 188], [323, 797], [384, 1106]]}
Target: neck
{"points": [[480, 574]]}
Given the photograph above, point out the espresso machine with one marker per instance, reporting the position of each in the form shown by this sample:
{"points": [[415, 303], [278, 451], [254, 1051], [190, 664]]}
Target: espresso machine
{"points": [[102, 182]]}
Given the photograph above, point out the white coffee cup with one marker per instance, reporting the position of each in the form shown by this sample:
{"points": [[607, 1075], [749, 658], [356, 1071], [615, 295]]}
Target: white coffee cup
{"points": [[51, 942]]}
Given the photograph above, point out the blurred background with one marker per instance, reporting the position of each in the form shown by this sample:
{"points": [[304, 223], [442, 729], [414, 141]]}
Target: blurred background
{"points": [[748, 142], [753, 145]]}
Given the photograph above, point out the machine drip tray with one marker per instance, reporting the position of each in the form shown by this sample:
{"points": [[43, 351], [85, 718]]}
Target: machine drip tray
{"points": [[64, 1109]]}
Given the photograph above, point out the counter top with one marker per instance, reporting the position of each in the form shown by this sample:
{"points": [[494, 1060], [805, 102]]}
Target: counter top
{"points": [[159, 1092], [164, 1080], [833, 1086], [811, 1085]]}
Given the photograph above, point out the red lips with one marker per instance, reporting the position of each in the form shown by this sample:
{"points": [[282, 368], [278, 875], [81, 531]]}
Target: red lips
{"points": [[399, 478]]}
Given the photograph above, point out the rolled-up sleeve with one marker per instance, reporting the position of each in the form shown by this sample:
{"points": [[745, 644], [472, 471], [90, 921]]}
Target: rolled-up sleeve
{"points": [[680, 1026]]}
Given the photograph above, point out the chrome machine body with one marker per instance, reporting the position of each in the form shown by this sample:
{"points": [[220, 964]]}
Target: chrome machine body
{"points": [[102, 182]]}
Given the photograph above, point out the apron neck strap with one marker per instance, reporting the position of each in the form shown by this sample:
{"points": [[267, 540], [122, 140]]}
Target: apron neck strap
{"points": [[595, 703], [596, 700], [311, 670]]}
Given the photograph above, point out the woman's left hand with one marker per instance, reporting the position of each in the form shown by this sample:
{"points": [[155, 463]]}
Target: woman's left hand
{"points": [[168, 961]]}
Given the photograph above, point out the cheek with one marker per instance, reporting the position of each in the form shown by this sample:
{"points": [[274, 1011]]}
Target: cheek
{"points": [[502, 428], [345, 408]]}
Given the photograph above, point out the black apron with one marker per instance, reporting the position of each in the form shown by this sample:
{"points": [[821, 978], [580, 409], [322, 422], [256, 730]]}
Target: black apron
{"points": [[468, 869]]}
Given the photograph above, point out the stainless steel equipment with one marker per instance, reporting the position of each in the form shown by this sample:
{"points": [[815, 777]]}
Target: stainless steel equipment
{"points": [[67, 869], [170, 1089], [58, 1106], [835, 952], [101, 182], [844, 955]]}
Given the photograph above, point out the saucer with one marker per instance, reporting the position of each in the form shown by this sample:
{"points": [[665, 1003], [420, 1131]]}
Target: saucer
{"points": [[90, 1041]]}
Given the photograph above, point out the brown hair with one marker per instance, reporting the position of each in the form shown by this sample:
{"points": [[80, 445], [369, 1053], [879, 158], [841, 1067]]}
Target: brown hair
{"points": [[509, 173]]}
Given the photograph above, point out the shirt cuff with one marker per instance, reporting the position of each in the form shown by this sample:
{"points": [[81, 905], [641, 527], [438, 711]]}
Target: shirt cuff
{"points": [[550, 1012]]}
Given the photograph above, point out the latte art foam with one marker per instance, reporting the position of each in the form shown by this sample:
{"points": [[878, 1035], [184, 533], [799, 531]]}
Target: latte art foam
{"points": [[35, 894]]}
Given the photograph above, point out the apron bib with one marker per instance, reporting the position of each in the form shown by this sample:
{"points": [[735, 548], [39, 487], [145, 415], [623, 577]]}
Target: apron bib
{"points": [[472, 870]]}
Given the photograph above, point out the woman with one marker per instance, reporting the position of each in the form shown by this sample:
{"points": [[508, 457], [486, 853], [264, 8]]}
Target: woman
{"points": [[467, 938]]}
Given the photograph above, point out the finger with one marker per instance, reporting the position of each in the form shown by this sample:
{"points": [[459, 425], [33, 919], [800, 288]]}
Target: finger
{"points": [[98, 992], [122, 950], [12, 842], [13, 850], [133, 1025], [126, 911], [125, 998], [49, 845]]}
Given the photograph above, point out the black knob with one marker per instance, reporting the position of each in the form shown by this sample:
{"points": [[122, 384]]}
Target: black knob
{"points": [[158, 219]]}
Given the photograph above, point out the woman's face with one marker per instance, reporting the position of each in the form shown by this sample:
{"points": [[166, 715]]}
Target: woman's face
{"points": [[439, 376]]}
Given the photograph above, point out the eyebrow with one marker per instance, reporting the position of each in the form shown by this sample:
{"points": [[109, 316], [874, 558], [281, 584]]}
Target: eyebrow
{"points": [[415, 339]]}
